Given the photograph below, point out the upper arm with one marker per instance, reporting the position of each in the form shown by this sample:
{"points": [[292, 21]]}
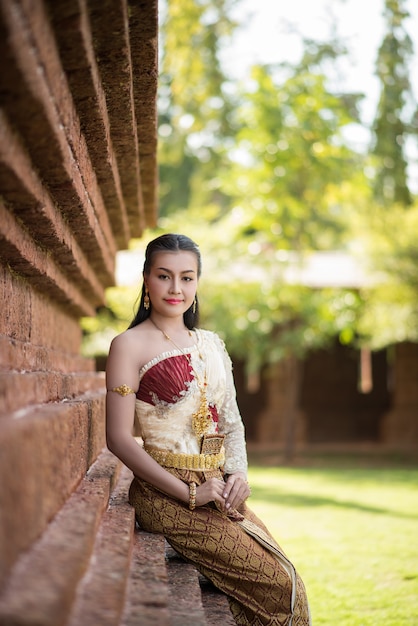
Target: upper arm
{"points": [[122, 363], [121, 369]]}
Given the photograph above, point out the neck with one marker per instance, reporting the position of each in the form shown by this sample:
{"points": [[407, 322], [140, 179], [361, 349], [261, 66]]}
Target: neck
{"points": [[168, 326]]}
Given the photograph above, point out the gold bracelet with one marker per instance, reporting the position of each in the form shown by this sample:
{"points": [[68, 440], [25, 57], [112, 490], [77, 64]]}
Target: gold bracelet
{"points": [[192, 496]]}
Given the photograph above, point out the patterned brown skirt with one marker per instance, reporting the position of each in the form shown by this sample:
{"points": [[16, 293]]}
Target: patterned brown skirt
{"points": [[239, 557]]}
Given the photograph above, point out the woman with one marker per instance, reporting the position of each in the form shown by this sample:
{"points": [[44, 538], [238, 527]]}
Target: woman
{"points": [[190, 475]]}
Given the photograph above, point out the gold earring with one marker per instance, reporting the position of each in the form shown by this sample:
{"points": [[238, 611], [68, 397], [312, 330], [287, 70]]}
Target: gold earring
{"points": [[146, 300], [194, 306]]}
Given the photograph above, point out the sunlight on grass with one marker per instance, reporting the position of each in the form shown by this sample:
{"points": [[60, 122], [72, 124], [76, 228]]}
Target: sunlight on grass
{"points": [[353, 536]]}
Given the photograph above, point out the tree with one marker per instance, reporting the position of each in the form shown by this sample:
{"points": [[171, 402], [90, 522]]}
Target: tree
{"points": [[388, 230], [194, 106], [393, 119], [391, 314], [294, 173]]}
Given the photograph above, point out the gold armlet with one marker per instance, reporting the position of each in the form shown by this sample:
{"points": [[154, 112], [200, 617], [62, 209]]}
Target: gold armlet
{"points": [[123, 390]]}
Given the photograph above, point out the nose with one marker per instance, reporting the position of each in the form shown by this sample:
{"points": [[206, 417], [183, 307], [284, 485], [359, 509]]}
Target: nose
{"points": [[175, 286]]}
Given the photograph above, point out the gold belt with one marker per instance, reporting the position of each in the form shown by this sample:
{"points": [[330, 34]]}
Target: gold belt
{"points": [[186, 461]]}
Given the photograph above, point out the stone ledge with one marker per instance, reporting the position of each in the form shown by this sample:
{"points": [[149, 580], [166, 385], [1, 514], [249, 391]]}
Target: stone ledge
{"points": [[101, 593], [215, 604], [203, 604], [144, 52], [20, 390], [37, 97], [74, 38], [186, 609], [147, 590], [45, 454], [42, 585], [23, 190], [107, 27], [27, 258], [16, 354]]}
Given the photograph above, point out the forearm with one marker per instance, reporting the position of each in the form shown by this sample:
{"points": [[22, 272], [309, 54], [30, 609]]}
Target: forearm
{"points": [[128, 450]]}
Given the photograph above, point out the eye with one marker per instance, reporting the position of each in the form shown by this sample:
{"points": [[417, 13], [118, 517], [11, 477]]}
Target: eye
{"points": [[163, 276], [187, 279]]}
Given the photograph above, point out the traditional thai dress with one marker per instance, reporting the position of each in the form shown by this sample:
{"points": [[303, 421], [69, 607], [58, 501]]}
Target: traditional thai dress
{"points": [[234, 550]]}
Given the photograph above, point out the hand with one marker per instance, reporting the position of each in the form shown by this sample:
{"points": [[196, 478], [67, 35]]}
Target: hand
{"points": [[236, 490], [211, 491]]}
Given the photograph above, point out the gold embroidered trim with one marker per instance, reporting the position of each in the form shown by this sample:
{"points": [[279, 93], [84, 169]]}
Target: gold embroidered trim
{"points": [[212, 444], [123, 390], [198, 462]]}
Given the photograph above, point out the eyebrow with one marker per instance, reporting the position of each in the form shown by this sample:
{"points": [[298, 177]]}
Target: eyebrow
{"points": [[164, 269]]}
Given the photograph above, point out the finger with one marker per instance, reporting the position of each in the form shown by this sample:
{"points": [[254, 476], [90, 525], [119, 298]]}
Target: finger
{"points": [[232, 496], [237, 494]]}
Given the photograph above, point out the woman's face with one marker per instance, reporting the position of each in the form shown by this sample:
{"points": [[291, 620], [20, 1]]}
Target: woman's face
{"points": [[172, 282]]}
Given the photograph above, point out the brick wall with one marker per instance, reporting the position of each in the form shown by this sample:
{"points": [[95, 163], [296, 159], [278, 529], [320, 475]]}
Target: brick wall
{"points": [[78, 180]]}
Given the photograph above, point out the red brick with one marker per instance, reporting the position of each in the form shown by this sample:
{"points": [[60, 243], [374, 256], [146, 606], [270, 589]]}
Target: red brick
{"points": [[101, 593], [42, 586], [144, 53], [73, 30], [28, 315], [22, 188], [28, 259], [108, 26], [45, 454], [19, 390], [20, 355], [37, 97]]}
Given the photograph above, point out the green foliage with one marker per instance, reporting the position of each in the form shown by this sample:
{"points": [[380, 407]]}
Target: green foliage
{"points": [[391, 314], [294, 171], [392, 125], [194, 106], [264, 322], [110, 320]]}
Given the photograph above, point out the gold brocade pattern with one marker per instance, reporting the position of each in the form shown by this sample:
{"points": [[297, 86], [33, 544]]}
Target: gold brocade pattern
{"points": [[195, 462], [262, 586]]}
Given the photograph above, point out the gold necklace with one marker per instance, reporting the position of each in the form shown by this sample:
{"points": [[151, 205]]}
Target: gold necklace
{"points": [[202, 418]]}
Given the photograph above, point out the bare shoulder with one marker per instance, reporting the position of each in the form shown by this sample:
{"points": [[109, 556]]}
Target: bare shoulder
{"points": [[127, 343], [127, 338], [133, 345]]}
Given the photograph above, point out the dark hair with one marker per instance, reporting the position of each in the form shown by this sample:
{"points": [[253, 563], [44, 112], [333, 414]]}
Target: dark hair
{"points": [[168, 243]]}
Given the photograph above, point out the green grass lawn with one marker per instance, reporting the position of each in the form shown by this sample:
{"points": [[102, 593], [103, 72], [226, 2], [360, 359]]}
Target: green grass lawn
{"points": [[352, 533]]}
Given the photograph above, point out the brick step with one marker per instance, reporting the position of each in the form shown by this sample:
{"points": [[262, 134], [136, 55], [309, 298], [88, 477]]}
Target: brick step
{"points": [[194, 600], [92, 566], [185, 597], [147, 594], [101, 592], [41, 587], [215, 604], [18, 391]]}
